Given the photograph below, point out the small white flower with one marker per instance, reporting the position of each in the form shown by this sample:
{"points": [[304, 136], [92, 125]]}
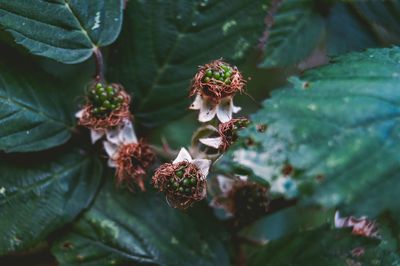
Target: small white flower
{"points": [[116, 138], [208, 108], [202, 164]]}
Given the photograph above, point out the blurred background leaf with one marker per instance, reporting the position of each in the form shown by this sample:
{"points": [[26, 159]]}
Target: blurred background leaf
{"points": [[337, 126], [323, 246]]}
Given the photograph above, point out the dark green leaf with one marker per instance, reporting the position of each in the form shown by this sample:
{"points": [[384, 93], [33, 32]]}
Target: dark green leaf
{"points": [[323, 247], [295, 32], [340, 124], [36, 199], [64, 30], [172, 38], [37, 112], [383, 17], [123, 228], [346, 32]]}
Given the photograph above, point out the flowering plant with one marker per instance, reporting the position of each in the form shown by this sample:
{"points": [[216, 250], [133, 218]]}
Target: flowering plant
{"points": [[203, 132]]}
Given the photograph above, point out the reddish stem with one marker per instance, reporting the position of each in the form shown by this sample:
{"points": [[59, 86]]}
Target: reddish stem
{"points": [[99, 65]]}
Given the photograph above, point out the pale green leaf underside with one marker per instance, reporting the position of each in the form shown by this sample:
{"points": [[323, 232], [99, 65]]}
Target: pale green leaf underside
{"points": [[171, 39], [295, 32], [123, 228], [63, 30], [36, 112], [37, 199], [341, 122]]}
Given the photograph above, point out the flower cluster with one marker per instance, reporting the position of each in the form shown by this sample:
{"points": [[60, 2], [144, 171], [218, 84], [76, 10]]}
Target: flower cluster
{"points": [[184, 180], [106, 113]]}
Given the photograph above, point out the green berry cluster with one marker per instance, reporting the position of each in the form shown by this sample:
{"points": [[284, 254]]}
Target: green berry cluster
{"points": [[104, 100], [223, 74], [184, 184]]}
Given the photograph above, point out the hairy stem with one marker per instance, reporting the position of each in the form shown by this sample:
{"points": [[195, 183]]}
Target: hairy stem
{"points": [[99, 65]]}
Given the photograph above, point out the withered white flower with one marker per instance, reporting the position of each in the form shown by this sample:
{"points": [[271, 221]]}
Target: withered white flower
{"points": [[209, 108], [116, 138], [361, 226], [95, 135], [202, 164]]}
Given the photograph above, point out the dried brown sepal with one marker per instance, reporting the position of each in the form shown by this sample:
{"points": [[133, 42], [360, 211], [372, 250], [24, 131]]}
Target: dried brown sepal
{"points": [[228, 132], [183, 183], [115, 118], [215, 89], [247, 201], [132, 161]]}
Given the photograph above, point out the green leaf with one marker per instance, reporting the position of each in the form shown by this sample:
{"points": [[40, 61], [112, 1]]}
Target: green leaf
{"points": [[64, 30], [383, 17], [171, 39], [38, 198], [346, 32], [37, 112], [340, 124], [123, 228], [295, 32], [323, 247]]}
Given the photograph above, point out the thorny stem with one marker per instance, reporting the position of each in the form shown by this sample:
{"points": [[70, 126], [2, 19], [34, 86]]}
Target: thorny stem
{"points": [[99, 65]]}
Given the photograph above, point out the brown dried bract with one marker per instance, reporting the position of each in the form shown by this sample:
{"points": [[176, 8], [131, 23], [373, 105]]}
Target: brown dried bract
{"points": [[215, 90], [165, 179], [228, 132], [132, 161], [115, 118]]}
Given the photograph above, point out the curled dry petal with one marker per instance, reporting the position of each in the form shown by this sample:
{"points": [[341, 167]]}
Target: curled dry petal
{"points": [[132, 161]]}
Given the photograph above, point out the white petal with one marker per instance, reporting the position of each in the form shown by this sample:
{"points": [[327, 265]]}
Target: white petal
{"points": [[225, 109], [112, 135], [183, 156], [196, 105], [243, 177], [207, 111], [111, 163], [110, 148], [203, 165], [79, 114], [95, 135], [235, 109], [212, 142], [128, 133], [225, 183], [339, 222]]}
